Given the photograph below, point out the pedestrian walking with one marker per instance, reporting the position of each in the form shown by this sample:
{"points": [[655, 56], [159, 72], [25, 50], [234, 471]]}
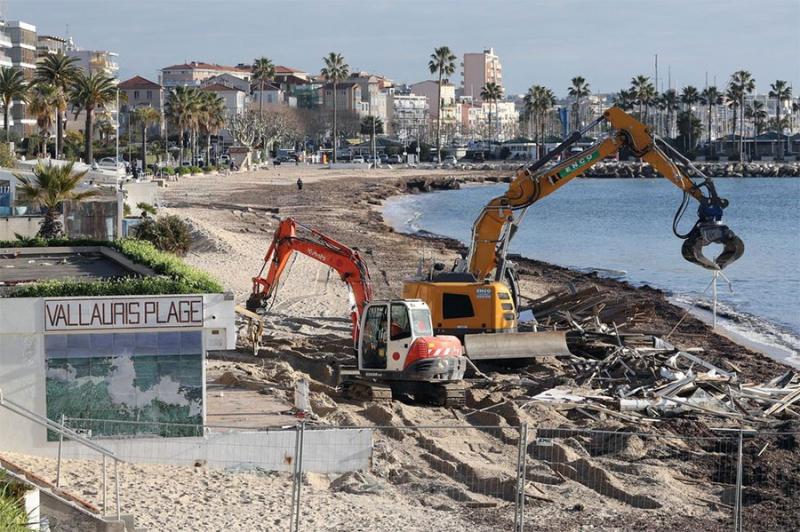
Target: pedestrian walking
{"points": [[299, 184]]}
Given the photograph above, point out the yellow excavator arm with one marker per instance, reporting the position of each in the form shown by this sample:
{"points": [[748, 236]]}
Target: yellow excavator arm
{"points": [[496, 224]]}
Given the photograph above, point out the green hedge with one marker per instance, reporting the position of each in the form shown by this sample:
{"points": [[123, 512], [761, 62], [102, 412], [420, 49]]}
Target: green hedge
{"points": [[174, 275]]}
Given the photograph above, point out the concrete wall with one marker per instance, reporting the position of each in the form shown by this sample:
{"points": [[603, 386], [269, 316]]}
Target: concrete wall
{"points": [[26, 226], [324, 451]]}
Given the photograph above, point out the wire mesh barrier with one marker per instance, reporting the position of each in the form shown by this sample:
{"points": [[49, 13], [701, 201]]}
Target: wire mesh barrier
{"points": [[421, 478], [447, 477]]}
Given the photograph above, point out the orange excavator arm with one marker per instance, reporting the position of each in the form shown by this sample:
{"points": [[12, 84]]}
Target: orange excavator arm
{"points": [[496, 224], [346, 261]]}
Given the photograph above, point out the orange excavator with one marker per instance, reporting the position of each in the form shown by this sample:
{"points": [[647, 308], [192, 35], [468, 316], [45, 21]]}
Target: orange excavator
{"points": [[396, 350]]}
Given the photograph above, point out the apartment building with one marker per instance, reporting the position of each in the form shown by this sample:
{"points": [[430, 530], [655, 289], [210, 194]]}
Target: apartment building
{"points": [[23, 56], [51, 45], [478, 69], [408, 114], [193, 74], [95, 61], [348, 98], [141, 92], [374, 93], [430, 90]]}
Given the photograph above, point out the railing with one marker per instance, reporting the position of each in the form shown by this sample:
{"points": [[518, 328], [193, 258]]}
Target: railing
{"points": [[65, 432]]}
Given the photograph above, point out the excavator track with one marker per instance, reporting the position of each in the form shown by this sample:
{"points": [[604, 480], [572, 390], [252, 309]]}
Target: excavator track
{"points": [[365, 390], [451, 394]]}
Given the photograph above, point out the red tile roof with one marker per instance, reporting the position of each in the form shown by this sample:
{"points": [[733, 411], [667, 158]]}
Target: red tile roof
{"points": [[138, 82], [206, 66], [219, 87], [280, 69]]}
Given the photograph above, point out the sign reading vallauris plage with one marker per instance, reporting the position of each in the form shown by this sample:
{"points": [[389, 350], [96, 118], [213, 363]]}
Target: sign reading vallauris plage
{"points": [[123, 313]]}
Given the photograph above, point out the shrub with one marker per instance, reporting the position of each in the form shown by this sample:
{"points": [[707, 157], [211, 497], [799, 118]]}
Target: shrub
{"points": [[12, 511], [195, 169], [183, 170], [167, 233], [168, 170], [209, 169], [146, 207], [126, 210], [173, 275]]}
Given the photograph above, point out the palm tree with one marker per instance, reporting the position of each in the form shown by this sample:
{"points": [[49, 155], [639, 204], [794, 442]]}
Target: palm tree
{"points": [[625, 99], [334, 71], [59, 71], [263, 71], [43, 103], [711, 97], [579, 89], [757, 114], [91, 92], [144, 116], [528, 101], [542, 100], [491, 92], [644, 92], [781, 92], [689, 97], [181, 108], [743, 83], [668, 101], [49, 187], [443, 63], [211, 118], [12, 87]]}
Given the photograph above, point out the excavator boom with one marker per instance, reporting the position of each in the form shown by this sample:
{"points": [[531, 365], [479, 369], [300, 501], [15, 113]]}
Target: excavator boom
{"points": [[497, 223], [345, 260]]}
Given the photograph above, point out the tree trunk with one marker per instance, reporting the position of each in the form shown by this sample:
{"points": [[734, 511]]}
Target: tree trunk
{"points": [[261, 100], [208, 149], [87, 141], [5, 120], [144, 147], [335, 131], [710, 150], [439, 122], [59, 134], [741, 131], [51, 226], [780, 130]]}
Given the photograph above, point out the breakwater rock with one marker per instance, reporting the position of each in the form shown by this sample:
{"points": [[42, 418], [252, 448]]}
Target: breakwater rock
{"points": [[714, 169]]}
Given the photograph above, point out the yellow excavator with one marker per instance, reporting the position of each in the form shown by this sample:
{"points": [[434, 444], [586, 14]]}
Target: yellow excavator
{"points": [[480, 294]]}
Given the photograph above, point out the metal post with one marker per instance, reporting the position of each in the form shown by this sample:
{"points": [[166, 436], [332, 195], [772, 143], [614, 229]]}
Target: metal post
{"points": [[105, 507], [737, 516], [522, 454], [60, 446], [298, 477], [116, 485], [714, 296]]}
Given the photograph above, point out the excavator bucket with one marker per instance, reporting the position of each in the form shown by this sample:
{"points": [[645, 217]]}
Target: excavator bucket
{"points": [[704, 234]]}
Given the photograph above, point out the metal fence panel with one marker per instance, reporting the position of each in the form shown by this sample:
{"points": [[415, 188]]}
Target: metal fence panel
{"points": [[624, 480]]}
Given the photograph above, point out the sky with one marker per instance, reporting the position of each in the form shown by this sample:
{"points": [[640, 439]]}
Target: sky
{"points": [[544, 42]]}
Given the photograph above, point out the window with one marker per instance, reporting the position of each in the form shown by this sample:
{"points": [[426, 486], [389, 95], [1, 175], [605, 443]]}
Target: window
{"points": [[373, 341], [149, 95], [135, 95], [400, 327], [457, 306], [421, 318]]}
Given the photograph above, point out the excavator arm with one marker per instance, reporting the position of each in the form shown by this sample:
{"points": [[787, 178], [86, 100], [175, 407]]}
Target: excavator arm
{"points": [[346, 261], [497, 222]]}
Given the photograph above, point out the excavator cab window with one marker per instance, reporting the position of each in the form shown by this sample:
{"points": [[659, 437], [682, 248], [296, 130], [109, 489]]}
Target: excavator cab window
{"points": [[401, 326], [421, 319], [373, 338]]}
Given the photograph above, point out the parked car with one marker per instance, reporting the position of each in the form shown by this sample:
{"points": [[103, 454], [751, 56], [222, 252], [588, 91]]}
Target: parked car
{"points": [[450, 159], [225, 159], [110, 162], [358, 159], [384, 159], [395, 159]]}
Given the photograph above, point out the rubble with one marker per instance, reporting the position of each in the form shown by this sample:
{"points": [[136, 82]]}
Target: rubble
{"points": [[641, 377]]}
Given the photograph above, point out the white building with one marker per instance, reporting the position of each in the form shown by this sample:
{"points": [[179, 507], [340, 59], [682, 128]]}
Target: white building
{"points": [[95, 61], [22, 53], [430, 90], [408, 115]]}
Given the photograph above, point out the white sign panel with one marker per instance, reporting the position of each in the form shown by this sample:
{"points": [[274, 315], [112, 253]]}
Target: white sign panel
{"points": [[123, 313]]}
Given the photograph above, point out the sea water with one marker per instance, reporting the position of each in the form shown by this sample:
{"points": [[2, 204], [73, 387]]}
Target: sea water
{"points": [[624, 227]]}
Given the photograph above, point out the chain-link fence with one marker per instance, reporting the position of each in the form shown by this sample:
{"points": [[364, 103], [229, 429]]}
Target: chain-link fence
{"points": [[449, 477]]}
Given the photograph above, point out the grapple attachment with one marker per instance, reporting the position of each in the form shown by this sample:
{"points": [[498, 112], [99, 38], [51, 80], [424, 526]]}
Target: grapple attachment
{"points": [[705, 233]]}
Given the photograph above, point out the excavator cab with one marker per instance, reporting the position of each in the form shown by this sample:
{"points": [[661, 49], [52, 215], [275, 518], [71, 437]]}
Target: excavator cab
{"points": [[397, 342]]}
